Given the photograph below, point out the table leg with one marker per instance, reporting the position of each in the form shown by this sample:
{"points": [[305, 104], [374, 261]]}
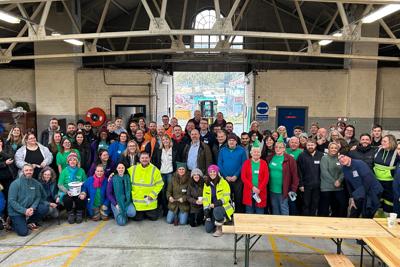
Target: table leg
{"points": [[234, 253], [339, 246], [362, 254], [246, 250], [373, 259]]}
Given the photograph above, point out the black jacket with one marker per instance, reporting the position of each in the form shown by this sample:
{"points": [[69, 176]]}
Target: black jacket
{"points": [[156, 158], [309, 170], [179, 147], [85, 152], [208, 139], [128, 162], [365, 154], [215, 151]]}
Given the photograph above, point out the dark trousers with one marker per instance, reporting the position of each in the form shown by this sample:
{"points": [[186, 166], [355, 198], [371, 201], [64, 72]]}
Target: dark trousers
{"points": [[237, 195], [69, 203], [196, 219], [311, 200], [162, 197], [218, 214], [20, 224], [334, 201], [152, 215]]}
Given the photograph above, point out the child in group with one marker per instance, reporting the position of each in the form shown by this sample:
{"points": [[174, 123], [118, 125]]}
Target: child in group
{"points": [[178, 206], [119, 189], [195, 198], [95, 188], [216, 201]]}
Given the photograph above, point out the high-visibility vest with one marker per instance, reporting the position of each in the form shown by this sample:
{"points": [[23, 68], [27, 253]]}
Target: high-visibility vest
{"points": [[223, 192], [146, 182]]}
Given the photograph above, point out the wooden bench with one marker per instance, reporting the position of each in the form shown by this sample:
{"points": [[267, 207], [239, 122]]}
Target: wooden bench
{"points": [[386, 248], [336, 260], [228, 229]]}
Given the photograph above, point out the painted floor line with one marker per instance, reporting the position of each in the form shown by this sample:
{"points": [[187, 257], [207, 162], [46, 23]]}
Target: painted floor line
{"points": [[49, 257], [304, 245], [275, 251]]}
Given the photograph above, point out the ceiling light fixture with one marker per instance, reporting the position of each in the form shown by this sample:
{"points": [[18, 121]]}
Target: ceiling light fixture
{"points": [[74, 42], [380, 13], [9, 18], [326, 42]]}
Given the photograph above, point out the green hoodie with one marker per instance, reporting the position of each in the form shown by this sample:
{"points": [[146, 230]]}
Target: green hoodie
{"points": [[24, 193]]}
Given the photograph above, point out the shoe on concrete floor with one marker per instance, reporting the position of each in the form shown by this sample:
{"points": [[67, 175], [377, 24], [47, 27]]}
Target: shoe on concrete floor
{"points": [[218, 231]]}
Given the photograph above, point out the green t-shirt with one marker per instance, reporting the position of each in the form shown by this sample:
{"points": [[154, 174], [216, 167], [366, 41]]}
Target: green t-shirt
{"points": [[97, 199], [255, 168], [66, 178], [61, 158], [276, 174], [294, 153]]}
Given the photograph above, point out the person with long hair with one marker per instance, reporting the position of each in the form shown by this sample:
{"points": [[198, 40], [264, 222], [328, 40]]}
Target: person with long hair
{"points": [[130, 156], [104, 159], [65, 150], [55, 147], [48, 180], [268, 148], [102, 143], [386, 161], [216, 201], [33, 153], [119, 189], [349, 136], [83, 147], [15, 139], [195, 195]]}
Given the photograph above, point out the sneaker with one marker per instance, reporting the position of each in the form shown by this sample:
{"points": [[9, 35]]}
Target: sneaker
{"points": [[71, 217], [218, 232]]}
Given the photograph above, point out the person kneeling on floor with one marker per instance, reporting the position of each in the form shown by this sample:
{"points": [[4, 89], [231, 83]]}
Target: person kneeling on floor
{"points": [[178, 206], [72, 200], [119, 193], [216, 201], [146, 185], [95, 188], [25, 205]]}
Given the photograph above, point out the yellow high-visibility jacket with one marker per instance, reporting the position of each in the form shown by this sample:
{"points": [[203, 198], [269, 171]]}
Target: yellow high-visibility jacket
{"points": [[146, 182], [223, 192]]}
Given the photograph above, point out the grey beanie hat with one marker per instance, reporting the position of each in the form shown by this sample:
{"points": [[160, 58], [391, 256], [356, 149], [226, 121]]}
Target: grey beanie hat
{"points": [[196, 171]]}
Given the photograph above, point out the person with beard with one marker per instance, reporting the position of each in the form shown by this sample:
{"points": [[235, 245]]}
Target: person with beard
{"points": [[245, 143], [229, 130], [152, 132], [364, 150], [376, 136], [167, 127], [47, 134], [322, 140], [219, 121], [230, 161], [179, 142], [310, 177], [139, 138], [197, 154], [83, 147], [314, 130], [196, 119], [88, 132], [206, 136], [156, 141], [178, 205], [133, 126], [221, 142], [71, 131]]}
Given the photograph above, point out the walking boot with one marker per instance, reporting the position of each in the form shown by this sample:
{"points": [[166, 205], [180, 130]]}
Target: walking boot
{"points": [[71, 216], [218, 231], [79, 216]]}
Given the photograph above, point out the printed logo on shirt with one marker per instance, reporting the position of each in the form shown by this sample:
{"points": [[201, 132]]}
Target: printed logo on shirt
{"points": [[183, 190], [256, 171], [316, 161], [337, 163], [355, 174], [32, 188], [291, 155], [273, 163]]}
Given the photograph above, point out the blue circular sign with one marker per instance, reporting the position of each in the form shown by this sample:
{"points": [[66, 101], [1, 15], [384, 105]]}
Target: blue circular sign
{"points": [[262, 108]]}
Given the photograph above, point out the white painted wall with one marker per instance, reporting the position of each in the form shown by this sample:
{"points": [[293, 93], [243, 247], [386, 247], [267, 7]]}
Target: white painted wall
{"points": [[19, 85]]}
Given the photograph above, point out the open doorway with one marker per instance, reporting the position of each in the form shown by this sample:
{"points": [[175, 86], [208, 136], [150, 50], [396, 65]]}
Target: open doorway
{"points": [[210, 92]]}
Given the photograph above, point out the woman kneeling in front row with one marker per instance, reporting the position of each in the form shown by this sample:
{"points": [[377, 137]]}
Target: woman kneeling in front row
{"points": [[216, 201], [119, 193]]}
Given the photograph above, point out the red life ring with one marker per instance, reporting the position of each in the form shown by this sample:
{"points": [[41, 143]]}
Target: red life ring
{"points": [[96, 117]]}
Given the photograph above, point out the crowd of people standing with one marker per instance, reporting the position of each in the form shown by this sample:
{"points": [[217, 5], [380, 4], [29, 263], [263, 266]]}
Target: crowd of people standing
{"points": [[199, 175]]}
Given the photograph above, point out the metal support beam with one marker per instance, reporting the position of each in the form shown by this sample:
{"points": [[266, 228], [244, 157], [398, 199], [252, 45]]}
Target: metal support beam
{"points": [[45, 14], [183, 19], [303, 24], [213, 51], [3, 2], [388, 30], [280, 24], [120, 7], [163, 9], [217, 9], [228, 43], [345, 21], [25, 28], [135, 17], [101, 22], [232, 11], [372, 2], [25, 15], [254, 34], [71, 18], [148, 10]]}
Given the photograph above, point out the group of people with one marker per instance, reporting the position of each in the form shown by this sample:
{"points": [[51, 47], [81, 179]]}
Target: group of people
{"points": [[199, 175]]}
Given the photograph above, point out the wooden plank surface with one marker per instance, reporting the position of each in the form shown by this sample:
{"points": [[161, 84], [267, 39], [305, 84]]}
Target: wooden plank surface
{"points": [[327, 227], [338, 260], [395, 230], [228, 229], [386, 248]]}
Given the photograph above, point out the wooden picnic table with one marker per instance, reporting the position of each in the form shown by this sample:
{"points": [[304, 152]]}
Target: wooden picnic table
{"points": [[386, 248], [337, 229], [395, 230]]}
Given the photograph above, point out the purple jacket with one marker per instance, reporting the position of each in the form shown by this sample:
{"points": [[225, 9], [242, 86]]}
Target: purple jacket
{"points": [[109, 169]]}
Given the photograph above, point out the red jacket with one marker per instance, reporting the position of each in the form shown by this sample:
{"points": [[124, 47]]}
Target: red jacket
{"points": [[290, 175], [263, 178]]}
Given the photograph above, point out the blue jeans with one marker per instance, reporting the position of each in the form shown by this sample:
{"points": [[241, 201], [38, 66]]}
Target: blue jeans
{"points": [[162, 197], [217, 214], [20, 224], [254, 209], [279, 205], [120, 218], [183, 217]]}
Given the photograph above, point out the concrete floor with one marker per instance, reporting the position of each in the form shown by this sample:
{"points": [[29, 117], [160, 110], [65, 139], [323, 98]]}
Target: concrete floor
{"points": [[155, 244]]}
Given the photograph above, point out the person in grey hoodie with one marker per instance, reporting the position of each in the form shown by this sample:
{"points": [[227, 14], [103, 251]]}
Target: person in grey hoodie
{"points": [[332, 194], [26, 203]]}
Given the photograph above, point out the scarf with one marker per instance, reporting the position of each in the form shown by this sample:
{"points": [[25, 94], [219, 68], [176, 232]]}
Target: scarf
{"points": [[72, 173], [98, 181]]}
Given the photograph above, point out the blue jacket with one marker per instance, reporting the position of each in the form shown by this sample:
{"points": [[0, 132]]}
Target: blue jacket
{"points": [[396, 191], [363, 184], [2, 204], [115, 150], [230, 161], [90, 191]]}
